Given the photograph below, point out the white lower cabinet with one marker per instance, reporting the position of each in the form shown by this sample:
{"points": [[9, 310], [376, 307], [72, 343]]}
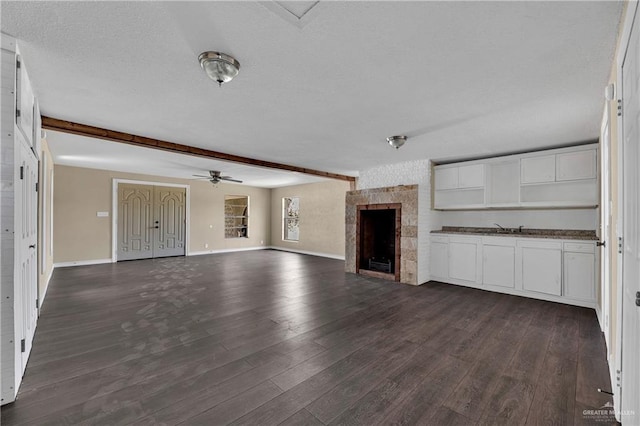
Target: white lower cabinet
{"points": [[542, 267], [464, 259], [439, 256], [498, 261], [551, 269], [579, 272]]}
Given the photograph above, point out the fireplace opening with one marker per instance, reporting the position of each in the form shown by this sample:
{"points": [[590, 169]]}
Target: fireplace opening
{"points": [[378, 239]]}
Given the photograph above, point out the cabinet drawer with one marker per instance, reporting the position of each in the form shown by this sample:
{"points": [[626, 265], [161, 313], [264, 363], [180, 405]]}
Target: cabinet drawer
{"points": [[439, 239], [500, 241], [540, 243], [580, 247]]}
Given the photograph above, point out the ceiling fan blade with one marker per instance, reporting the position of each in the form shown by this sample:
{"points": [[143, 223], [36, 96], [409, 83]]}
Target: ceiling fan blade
{"points": [[229, 179], [201, 176]]}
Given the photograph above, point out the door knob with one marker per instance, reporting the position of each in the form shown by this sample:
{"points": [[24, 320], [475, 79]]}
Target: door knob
{"points": [[32, 246], [601, 244], [156, 227], [637, 298]]}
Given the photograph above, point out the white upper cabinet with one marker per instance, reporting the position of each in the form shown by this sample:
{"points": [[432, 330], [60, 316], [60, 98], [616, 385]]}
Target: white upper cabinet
{"points": [[564, 177], [503, 185], [471, 176], [576, 165], [538, 169], [446, 178]]}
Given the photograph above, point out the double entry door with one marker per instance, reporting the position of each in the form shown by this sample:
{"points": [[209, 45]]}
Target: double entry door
{"points": [[151, 221]]}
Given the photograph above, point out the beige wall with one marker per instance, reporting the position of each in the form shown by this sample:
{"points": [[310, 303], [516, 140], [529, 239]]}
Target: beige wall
{"points": [[79, 235], [44, 220], [322, 207]]}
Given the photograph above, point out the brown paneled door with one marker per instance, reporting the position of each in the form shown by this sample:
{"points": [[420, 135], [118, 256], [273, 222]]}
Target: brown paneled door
{"points": [[151, 221]]}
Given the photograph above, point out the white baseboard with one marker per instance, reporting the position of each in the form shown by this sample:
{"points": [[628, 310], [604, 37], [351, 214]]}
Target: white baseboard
{"points": [[46, 286], [199, 253], [600, 320], [81, 263], [311, 253]]}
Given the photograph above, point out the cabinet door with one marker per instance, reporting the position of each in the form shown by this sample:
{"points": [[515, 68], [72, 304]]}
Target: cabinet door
{"points": [[504, 182], [579, 275], [471, 176], [25, 103], [576, 165], [498, 265], [542, 270], [463, 260], [446, 178], [439, 258], [538, 169]]}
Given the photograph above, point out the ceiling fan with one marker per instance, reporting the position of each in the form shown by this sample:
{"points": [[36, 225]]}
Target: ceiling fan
{"points": [[215, 177]]}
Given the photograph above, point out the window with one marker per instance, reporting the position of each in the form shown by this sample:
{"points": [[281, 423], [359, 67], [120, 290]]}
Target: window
{"points": [[290, 215], [236, 216]]}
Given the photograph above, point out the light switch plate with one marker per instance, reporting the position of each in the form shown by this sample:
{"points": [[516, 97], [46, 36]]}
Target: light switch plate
{"points": [[103, 214]]}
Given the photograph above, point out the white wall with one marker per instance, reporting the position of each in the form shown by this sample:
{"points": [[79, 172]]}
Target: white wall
{"points": [[545, 219], [408, 173]]}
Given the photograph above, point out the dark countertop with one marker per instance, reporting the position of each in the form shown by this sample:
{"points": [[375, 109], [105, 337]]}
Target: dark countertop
{"points": [[562, 234]]}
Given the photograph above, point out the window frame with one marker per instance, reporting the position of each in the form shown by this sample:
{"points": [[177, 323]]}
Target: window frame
{"points": [[286, 219]]}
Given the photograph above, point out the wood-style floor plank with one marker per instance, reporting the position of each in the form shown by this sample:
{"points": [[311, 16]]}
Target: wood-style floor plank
{"points": [[269, 337]]}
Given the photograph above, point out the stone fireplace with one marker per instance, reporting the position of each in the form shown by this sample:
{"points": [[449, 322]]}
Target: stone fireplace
{"points": [[382, 233]]}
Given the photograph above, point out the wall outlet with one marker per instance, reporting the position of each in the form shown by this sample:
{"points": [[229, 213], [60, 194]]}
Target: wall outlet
{"points": [[262, 242], [211, 226], [206, 245]]}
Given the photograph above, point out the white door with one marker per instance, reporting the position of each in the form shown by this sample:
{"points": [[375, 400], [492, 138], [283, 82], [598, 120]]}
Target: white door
{"points": [[630, 374], [26, 292]]}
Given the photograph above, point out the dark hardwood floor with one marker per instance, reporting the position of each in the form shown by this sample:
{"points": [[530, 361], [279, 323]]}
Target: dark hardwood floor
{"points": [[268, 337]]}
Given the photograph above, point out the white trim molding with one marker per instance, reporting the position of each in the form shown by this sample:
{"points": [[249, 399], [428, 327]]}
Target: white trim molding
{"points": [[46, 287], [310, 253], [200, 253], [81, 263]]}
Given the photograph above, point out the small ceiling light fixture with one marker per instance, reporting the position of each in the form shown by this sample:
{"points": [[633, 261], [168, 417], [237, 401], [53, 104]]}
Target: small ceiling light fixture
{"points": [[219, 66], [396, 141]]}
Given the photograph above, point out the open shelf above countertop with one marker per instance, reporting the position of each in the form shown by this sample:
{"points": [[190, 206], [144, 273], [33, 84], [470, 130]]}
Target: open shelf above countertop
{"points": [[563, 234]]}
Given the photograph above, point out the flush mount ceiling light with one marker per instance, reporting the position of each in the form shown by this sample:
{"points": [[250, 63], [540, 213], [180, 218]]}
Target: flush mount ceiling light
{"points": [[396, 141], [219, 66]]}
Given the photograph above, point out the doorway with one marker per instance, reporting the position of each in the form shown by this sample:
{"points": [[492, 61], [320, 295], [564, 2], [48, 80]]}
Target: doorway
{"points": [[151, 221]]}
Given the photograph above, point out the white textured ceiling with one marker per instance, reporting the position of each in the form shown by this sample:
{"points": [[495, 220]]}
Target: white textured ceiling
{"points": [[461, 79]]}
